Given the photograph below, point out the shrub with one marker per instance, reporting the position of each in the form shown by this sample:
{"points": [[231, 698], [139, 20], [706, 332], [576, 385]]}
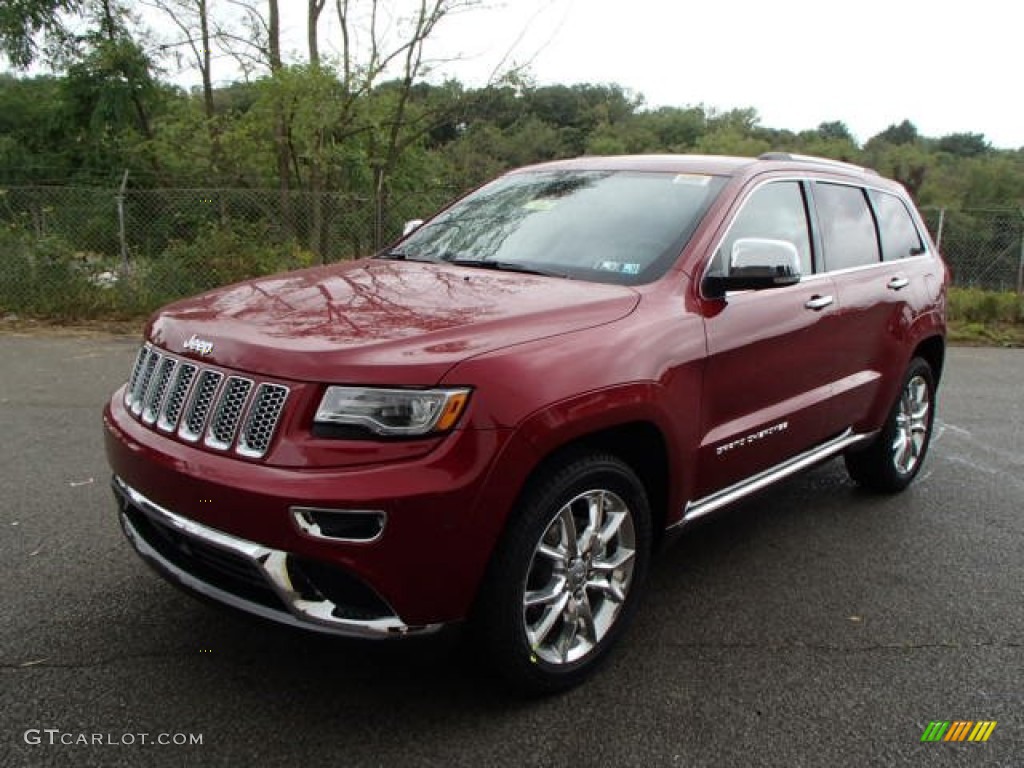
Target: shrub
{"points": [[974, 305], [219, 255], [45, 276]]}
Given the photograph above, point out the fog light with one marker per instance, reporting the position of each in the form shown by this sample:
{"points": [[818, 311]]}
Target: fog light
{"points": [[340, 524]]}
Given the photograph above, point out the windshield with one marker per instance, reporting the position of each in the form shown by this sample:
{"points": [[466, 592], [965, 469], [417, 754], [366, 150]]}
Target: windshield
{"points": [[605, 226]]}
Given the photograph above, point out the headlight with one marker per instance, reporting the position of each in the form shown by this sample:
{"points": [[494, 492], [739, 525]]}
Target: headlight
{"points": [[392, 412]]}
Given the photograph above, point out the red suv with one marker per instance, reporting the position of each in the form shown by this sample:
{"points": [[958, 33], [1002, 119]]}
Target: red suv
{"points": [[499, 418]]}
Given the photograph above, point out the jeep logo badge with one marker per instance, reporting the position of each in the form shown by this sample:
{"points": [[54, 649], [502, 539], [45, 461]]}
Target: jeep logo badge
{"points": [[195, 344]]}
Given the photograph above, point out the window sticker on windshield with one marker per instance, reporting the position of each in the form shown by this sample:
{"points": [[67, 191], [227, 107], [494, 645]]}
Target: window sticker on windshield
{"points": [[622, 267], [692, 179], [542, 204]]}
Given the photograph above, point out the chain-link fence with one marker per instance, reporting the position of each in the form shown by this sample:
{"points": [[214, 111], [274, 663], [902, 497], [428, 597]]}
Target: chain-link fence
{"points": [[144, 223], [984, 248], [80, 252]]}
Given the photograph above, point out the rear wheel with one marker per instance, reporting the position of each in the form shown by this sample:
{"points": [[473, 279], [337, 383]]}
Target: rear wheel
{"points": [[890, 463], [567, 575]]}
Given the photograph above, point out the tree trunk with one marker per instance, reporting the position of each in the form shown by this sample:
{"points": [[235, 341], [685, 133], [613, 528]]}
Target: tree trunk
{"points": [[316, 176], [274, 34], [280, 119], [315, 8], [205, 66], [206, 70]]}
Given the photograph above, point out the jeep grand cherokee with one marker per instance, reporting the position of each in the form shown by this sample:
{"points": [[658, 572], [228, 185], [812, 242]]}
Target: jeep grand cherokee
{"points": [[499, 417]]}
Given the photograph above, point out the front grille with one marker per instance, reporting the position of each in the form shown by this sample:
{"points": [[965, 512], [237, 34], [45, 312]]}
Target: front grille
{"points": [[142, 378], [171, 411], [157, 389], [197, 401], [133, 380], [200, 405], [263, 417], [229, 411]]}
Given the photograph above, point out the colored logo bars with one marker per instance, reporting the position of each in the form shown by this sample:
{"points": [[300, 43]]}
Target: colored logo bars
{"points": [[958, 730]]}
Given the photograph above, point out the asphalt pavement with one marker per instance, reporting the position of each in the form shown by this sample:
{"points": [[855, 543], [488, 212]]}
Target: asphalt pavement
{"points": [[815, 625]]}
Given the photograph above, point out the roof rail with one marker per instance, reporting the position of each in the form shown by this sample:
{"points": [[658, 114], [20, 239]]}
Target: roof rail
{"points": [[816, 160]]}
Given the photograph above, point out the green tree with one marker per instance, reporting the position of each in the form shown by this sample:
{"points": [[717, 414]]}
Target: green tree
{"points": [[904, 133], [110, 88], [22, 22], [34, 128], [909, 164], [834, 130], [964, 144]]}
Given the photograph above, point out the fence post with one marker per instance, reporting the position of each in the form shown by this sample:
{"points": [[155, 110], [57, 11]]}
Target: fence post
{"points": [[120, 219], [1020, 264], [938, 234], [378, 215]]}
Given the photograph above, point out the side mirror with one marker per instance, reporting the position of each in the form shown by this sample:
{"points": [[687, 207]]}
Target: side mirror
{"points": [[411, 226], [756, 263]]}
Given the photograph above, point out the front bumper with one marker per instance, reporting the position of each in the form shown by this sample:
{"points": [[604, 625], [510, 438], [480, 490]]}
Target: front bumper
{"points": [[245, 575], [444, 512]]}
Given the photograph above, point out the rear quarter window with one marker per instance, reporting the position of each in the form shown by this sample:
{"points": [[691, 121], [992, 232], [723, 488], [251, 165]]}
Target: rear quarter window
{"points": [[897, 231]]}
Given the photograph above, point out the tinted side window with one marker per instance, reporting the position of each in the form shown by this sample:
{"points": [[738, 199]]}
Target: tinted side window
{"points": [[847, 227], [900, 237], [775, 211]]}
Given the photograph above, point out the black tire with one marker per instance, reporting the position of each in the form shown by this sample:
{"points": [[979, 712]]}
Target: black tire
{"points": [[893, 460], [564, 582]]}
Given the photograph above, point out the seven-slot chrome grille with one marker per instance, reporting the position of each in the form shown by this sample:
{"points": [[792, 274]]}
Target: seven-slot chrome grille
{"points": [[199, 403]]}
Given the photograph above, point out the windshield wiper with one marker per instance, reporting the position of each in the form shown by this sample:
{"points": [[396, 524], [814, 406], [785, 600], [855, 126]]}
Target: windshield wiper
{"points": [[505, 266], [399, 256]]}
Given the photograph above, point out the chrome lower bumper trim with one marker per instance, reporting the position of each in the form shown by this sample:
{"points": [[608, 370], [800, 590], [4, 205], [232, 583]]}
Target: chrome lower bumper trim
{"points": [[734, 493], [271, 564]]}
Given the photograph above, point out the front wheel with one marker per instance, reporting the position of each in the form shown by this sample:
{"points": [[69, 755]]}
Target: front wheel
{"points": [[891, 462], [567, 574]]}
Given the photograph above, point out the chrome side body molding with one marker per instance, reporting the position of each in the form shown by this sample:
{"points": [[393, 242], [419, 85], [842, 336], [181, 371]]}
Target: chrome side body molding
{"points": [[726, 496]]}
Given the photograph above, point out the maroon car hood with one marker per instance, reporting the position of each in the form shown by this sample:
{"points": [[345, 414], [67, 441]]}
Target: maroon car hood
{"points": [[381, 321]]}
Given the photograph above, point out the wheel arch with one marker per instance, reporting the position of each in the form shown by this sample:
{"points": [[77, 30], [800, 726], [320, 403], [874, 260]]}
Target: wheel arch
{"points": [[640, 445], [933, 351]]}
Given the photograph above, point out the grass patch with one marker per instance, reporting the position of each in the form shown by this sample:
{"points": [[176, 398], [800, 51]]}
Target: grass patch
{"points": [[982, 335], [986, 318], [973, 305]]}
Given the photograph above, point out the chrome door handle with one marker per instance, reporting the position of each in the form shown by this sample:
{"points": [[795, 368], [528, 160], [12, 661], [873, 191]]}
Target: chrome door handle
{"points": [[819, 302], [897, 283]]}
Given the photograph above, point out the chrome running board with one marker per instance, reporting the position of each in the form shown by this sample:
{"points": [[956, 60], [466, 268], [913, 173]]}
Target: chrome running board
{"points": [[760, 481]]}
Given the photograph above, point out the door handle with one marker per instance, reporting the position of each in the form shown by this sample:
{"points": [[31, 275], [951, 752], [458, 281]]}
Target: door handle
{"points": [[819, 302], [897, 283]]}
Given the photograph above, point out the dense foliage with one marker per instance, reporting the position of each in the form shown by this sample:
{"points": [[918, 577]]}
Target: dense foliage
{"points": [[365, 130], [73, 128], [366, 122]]}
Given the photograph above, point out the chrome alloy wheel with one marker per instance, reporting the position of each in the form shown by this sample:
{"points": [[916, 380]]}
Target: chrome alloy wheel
{"points": [[912, 423], [579, 576]]}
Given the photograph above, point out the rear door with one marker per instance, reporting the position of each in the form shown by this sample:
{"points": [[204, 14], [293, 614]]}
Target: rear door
{"points": [[875, 256], [771, 355]]}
